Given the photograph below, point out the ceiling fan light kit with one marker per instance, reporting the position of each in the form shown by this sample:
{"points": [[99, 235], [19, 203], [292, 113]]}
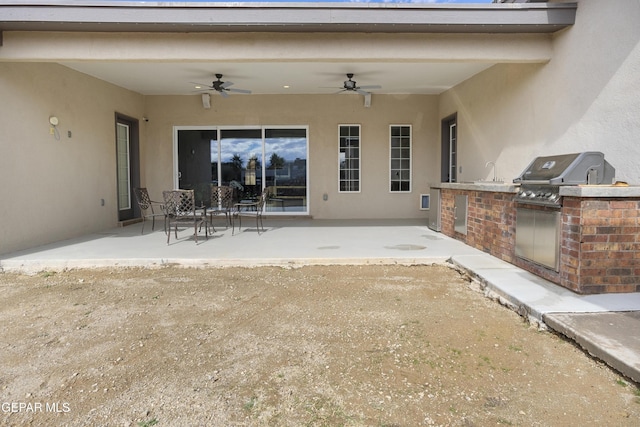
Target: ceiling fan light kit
{"points": [[352, 86], [223, 88]]}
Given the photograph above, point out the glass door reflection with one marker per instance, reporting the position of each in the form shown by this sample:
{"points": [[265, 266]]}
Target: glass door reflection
{"points": [[247, 160], [240, 160], [286, 170]]}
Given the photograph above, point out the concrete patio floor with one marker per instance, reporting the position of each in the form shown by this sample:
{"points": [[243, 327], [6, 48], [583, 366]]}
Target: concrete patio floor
{"points": [[607, 326]]}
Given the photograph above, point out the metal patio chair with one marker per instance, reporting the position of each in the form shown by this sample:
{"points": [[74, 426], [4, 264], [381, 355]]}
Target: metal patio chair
{"points": [[181, 210], [251, 210], [147, 210], [221, 203]]}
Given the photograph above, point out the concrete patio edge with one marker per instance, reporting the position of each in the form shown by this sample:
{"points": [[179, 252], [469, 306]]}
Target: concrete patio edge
{"points": [[593, 333], [36, 266], [601, 325]]}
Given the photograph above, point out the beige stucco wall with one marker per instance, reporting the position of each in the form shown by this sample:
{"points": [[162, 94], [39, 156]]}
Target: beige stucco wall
{"points": [[52, 189], [322, 114], [585, 98]]}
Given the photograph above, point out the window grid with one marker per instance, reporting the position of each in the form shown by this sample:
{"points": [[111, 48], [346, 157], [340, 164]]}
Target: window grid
{"points": [[400, 158], [349, 158]]}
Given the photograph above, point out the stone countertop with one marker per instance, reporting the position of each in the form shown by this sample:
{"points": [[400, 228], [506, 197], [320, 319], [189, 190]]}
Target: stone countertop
{"points": [[601, 191], [490, 186], [587, 191]]}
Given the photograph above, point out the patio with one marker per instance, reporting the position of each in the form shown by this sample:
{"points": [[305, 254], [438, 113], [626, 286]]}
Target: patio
{"points": [[285, 242], [596, 322]]}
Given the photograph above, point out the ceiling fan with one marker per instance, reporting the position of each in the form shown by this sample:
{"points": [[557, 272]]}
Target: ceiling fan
{"points": [[352, 86], [221, 87]]}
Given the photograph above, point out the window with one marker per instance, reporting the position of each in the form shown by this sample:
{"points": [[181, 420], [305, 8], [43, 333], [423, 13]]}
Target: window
{"points": [[449, 147], [400, 156], [453, 151], [123, 166], [247, 159], [349, 158]]}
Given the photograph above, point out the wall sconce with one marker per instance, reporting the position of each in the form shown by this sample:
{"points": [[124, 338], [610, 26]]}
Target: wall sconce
{"points": [[53, 130]]}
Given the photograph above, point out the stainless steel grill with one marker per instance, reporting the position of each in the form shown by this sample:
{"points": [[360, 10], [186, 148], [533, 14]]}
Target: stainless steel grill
{"points": [[541, 181], [538, 230]]}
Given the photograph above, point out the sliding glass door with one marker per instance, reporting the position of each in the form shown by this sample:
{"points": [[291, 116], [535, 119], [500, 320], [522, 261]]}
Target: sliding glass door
{"points": [[247, 159], [286, 169], [240, 162], [195, 164]]}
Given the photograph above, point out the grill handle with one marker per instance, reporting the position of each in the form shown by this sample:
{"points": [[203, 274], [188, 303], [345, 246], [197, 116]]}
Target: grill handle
{"points": [[532, 182]]}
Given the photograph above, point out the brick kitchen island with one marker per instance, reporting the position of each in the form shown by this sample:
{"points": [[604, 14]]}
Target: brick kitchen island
{"points": [[599, 232]]}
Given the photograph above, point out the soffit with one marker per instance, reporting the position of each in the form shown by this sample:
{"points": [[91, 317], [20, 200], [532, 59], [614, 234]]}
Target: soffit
{"points": [[313, 73]]}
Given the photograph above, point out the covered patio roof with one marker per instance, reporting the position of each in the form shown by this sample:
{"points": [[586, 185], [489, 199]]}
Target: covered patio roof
{"points": [[161, 48]]}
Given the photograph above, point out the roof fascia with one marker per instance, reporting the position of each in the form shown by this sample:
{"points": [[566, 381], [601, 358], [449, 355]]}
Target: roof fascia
{"points": [[129, 16]]}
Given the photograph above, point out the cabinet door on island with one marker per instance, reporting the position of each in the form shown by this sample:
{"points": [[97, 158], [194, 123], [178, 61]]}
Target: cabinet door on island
{"points": [[460, 214]]}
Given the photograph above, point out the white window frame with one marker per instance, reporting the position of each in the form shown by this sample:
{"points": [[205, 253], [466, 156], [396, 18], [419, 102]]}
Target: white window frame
{"points": [[124, 166], [401, 170], [220, 129], [342, 158], [453, 150]]}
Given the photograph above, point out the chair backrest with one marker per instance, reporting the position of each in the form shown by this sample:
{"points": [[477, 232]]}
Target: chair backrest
{"points": [[142, 197], [262, 200], [221, 196], [179, 202]]}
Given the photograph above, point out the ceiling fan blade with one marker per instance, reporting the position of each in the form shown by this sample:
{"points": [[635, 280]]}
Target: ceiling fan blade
{"points": [[362, 92], [225, 85], [239, 90], [223, 94], [370, 87]]}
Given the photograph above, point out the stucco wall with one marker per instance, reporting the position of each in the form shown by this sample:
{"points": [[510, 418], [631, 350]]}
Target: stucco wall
{"points": [[585, 98], [322, 114], [52, 189]]}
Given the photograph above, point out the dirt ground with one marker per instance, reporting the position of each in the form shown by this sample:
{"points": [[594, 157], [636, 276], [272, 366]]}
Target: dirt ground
{"points": [[271, 346]]}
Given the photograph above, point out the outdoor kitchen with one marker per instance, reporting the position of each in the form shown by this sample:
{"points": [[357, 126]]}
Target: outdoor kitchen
{"points": [[565, 218]]}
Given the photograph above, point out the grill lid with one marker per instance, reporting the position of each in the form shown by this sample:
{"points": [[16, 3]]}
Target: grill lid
{"points": [[588, 167]]}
